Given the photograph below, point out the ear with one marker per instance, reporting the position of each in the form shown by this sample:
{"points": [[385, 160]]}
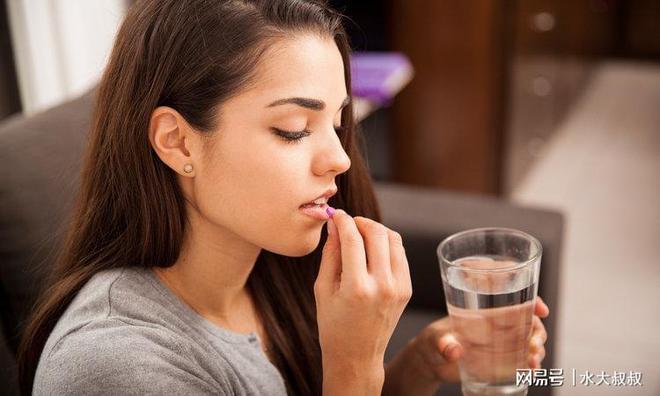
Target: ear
{"points": [[174, 140]]}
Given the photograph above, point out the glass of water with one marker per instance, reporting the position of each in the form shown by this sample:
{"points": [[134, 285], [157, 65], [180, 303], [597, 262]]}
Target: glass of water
{"points": [[490, 278]]}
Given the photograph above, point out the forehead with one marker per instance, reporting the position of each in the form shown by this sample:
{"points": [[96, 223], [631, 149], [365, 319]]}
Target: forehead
{"points": [[305, 65]]}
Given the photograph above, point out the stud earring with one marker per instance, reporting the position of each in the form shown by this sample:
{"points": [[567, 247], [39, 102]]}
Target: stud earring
{"points": [[187, 168]]}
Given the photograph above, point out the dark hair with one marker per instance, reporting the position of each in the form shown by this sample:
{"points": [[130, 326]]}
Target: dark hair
{"points": [[190, 55]]}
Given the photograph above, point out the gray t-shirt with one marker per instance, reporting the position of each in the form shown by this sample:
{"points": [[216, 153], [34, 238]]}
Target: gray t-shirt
{"points": [[126, 333]]}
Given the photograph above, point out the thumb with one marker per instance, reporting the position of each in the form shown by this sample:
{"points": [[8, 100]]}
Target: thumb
{"points": [[330, 268], [450, 349]]}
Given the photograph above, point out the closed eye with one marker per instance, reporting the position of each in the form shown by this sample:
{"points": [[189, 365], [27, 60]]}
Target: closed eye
{"points": [[296, 136]]}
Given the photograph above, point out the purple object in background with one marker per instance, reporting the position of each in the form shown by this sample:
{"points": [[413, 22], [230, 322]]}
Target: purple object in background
{"points": [[379, 76]]}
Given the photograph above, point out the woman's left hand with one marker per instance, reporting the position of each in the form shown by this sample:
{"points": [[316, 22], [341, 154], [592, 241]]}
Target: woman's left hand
{"points": [[437, 351]]}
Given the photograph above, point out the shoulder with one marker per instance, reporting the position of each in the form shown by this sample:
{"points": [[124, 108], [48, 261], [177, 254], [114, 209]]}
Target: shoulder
{"points": [[113, 300], [111, 356]]}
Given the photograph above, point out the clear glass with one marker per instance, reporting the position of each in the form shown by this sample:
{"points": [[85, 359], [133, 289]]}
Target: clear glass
{"points": [[490, 278]]}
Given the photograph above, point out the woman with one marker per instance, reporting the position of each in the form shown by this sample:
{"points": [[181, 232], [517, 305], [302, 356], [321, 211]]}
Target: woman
{"points": [[196, 262]]}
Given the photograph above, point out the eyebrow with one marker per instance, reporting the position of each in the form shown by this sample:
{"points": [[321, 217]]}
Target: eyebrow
{"points": [[308, 103]]}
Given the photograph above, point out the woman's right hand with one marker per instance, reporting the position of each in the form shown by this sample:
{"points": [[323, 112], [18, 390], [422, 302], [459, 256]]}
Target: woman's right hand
{"points": [[361, 290]]}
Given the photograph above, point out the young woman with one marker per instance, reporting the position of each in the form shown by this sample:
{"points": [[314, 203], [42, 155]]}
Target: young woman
{"points": [[196, 262]]}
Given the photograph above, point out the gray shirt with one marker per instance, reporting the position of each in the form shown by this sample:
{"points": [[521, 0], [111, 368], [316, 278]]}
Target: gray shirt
{"points": [[125, 332]]}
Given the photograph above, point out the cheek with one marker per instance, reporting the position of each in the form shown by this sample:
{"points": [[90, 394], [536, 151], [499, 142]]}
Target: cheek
{"points": [[257, 195]]}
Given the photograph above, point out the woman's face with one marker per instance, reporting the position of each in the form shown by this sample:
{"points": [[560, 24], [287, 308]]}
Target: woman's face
{"points": [[252, 181]]}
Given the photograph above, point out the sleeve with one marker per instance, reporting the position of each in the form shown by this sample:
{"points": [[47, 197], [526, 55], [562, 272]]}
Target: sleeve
{"points": [[125, 360]]}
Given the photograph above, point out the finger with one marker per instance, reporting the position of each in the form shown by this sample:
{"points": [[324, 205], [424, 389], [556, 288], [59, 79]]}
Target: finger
{"points": [[540, 308], [540, 355], [435, 339], [400, 268], [377, 246], [353, 256], [449, 348], [330, 267], [535, 360], [539, 329], [539, 334]]}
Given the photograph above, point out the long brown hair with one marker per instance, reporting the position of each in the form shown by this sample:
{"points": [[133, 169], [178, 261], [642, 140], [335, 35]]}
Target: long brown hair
{"points": [[190, 55]]}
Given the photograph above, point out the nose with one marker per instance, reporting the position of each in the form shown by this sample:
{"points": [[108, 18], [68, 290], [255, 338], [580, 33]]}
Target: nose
{"points": [[331, 156]]}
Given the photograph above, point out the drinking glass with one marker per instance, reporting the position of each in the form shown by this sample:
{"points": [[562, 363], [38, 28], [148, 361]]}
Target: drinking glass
{"points": [[490, 279]]}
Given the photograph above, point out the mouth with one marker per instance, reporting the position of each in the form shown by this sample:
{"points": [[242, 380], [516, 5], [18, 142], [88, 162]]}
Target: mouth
{"points": [[317, 208], [315, 211]]}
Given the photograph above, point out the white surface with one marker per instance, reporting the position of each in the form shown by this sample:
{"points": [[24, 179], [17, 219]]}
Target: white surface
{"points": [[602, 169], [61, 46]]}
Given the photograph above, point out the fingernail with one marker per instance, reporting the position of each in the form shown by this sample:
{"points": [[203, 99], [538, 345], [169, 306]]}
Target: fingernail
{"points": [[330, 211]]}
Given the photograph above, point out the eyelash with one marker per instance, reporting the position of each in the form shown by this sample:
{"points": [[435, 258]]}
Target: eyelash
{"points": [[293, 137]]}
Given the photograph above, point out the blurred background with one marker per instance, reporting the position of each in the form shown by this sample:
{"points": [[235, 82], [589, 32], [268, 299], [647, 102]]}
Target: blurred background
{"points": [[540, 103]]}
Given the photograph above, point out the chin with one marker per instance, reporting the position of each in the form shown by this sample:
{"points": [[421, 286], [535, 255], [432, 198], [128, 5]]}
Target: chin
{"points": [[300, 247], [303, 250]]}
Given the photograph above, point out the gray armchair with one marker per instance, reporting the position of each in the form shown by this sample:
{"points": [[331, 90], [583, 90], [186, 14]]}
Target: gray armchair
{"points": [[41, 157]]}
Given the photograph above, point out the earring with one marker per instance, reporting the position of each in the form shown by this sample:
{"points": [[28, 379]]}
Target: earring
{"points": [[187, 168]]}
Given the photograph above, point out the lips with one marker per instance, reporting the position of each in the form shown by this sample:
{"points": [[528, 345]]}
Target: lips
{"points": [[321, 199], [317, 212], [316, 208]]}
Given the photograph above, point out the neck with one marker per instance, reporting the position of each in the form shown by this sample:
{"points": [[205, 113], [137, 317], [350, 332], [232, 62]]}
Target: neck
{"points": [[211, 274]]}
